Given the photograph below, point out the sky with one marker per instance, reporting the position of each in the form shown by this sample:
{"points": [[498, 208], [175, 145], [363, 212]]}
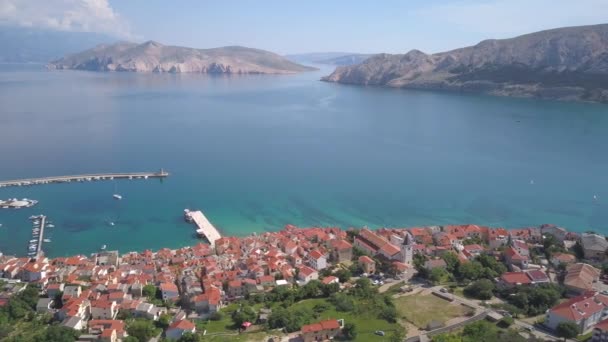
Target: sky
{"points": [[392, 26]]}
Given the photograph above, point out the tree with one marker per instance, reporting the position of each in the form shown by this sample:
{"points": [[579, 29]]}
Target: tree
{"points": [[189, 337], [480, 331], [163, 321], [149, 291], [363, 288], [57, 333], [142, 330], [567, 330], [329, 289], [451, 260], [130, 339], [350, 331], [342, 302], [244, 314], [343, 275], [470, 270], [437, 274], [216, 316], [481, 289], [397, 336]]}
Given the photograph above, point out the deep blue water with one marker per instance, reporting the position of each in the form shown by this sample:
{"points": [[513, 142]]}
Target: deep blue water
{"points": [[258, 152]]}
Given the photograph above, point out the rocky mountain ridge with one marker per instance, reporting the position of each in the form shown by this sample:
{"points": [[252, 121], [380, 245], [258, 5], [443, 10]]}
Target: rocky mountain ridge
{"points": [[567, 63], [152, 56]]}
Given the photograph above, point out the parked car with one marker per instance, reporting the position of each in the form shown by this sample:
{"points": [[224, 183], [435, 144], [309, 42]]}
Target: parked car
{"points": [[379, 332], [443, 290]]}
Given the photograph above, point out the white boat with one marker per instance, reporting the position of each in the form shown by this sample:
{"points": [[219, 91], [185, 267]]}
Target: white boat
{"points": [[50, 226], [111, 224], [117, 196], [103, 247], [47, 240], [32, 241]]}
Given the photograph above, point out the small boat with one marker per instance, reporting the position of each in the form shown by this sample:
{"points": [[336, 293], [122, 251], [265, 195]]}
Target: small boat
{"points": [[117, 196], [47, 240], [50, 226], [32, 241], [111, 224], [103, 247]]}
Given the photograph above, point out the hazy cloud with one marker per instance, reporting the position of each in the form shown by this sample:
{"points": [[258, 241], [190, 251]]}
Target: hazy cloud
{"points": [[503, 18], [65, 15]]}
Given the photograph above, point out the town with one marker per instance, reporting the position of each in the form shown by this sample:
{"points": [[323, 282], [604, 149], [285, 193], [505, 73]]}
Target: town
{"points": [[439, 283]]}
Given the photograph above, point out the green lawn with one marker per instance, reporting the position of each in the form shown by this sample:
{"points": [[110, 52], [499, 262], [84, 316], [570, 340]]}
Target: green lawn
{"points": [[420, 310], [366, 322]]}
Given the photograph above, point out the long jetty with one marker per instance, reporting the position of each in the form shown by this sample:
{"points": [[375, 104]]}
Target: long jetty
{"points": [[42, 225], [204, 227], [82, 178]]}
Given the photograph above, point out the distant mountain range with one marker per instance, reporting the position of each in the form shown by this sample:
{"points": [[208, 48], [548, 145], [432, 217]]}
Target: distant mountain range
{"points": [[330, 58], [155, 57], [24, 45], [566, 63]]}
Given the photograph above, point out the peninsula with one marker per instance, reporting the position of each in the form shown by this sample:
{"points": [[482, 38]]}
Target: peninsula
{"points": [[566, 63], [152, 56]]}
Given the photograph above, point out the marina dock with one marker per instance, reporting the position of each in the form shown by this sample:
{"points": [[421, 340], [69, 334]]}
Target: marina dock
{"points": [[84, 178], [41, 226], [204, 227]]}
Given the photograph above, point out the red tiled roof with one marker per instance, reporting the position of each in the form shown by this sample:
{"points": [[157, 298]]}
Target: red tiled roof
{"points": [[340, 244], [390, 249], [235, 283], [182, 325], [168, 287], [602, 325], [320, 326], [515, 278], [366, 260], [581, 307], [316, 255], [306, 271], [329, 279]]}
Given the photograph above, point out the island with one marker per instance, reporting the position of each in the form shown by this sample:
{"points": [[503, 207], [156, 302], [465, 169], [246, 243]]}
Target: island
{"points": [[565, 63], [152, 56]]}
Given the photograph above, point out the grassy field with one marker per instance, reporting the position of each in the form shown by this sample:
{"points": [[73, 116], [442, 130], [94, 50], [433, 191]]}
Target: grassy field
{"points": [[365, 321], [420, 310]]}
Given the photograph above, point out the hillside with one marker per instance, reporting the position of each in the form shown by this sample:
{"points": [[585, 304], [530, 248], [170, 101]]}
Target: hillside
{"points": [[565, 63], [155, 57]]}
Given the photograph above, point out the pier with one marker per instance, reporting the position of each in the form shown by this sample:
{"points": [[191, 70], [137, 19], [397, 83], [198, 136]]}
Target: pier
{"points": [[83, 178], [41, 226], [204, 227]]}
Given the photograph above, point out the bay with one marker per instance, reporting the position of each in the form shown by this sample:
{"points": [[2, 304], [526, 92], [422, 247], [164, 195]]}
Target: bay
{"points": [[258, 152]]}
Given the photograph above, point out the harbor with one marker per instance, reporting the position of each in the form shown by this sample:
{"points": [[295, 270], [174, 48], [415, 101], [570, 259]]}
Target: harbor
{"points": [[203, 226], [35, 245], [84, 178]]}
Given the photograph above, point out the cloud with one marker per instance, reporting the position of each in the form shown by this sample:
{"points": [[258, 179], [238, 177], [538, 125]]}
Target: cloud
{"points": [[504, 18], [64, 15]]}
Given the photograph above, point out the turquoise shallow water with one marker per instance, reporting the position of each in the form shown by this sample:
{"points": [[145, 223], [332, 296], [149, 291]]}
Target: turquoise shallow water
{"points": [[258, 152]]}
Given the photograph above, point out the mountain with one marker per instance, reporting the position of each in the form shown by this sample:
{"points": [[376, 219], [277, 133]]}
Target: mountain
{"points": [[566, 63], [155, 57], [330, 58], [28, 45], [351, 59]]}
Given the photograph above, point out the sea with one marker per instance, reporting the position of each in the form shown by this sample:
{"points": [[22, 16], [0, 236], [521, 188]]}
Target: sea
{"points": [[258, 152]]}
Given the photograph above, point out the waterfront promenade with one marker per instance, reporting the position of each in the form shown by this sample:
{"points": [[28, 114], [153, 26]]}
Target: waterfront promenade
{"points": [[83, 178], [204, 227]]}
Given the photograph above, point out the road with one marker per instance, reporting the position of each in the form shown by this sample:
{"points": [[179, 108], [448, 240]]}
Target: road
{"points": [[536, 331]]}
